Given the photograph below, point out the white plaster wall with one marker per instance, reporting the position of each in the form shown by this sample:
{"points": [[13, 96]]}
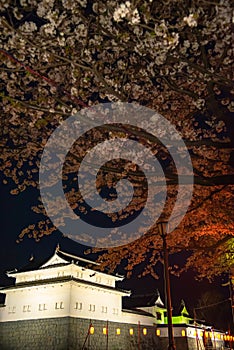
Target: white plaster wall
{"points": [[191, 332], [128, 317], [69, 293], [32, 296], [215, 336], [68, 270], [106, 302], [33, 302], [177, 331]]}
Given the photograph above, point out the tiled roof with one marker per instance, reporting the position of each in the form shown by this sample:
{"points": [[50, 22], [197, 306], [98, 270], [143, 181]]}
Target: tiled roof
{"points": [[61, 279], [31, 266], [138, 311], [142, 300], [35, 264]]}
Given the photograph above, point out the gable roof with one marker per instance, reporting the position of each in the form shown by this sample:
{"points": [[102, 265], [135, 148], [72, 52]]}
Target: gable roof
{"points": [[143, 300], [138, 311], [182, 311], [61, 258], [54, 260]]}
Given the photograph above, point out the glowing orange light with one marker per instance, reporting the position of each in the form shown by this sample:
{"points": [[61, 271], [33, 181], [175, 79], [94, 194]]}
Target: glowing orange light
{"points": [[158, 332], [91, 330], [131, 331], [144, 331]]}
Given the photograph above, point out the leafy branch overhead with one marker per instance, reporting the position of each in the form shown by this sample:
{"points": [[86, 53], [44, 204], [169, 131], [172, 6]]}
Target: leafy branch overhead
{"points": [[174, 57]]}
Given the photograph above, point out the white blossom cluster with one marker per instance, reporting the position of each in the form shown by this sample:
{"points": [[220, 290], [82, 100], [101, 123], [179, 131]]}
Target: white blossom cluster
{"points": [[125, 10], [61, 55], [170, 40], [190, 20], [122, 49], [199, 103], [28, 27]]}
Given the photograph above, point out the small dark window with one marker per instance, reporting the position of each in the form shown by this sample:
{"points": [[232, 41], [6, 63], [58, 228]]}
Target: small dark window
{"points": [[159, 315]]}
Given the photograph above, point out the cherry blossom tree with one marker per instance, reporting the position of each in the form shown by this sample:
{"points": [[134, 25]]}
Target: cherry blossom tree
{"points": [[175, 57]]}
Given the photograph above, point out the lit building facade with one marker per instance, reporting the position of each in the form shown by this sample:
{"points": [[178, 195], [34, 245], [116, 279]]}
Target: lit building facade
{"points": [[69, 303]]}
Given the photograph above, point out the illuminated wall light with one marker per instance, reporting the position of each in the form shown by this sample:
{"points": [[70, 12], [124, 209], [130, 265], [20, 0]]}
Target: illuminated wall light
{"points": [[131, 331], [218, 336], [144, 331], [91, 330], [195, 333], [104, 330], [201, 334], [183, 333], [118, 331], [206, 334], [158, 332]]}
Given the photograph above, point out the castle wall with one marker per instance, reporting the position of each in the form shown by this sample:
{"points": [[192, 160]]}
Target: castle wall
{"points": [[64, 299], [191, 338], [69, 333], [52, 309]]}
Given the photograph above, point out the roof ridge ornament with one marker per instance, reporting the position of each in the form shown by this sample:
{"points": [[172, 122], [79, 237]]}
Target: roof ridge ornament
{"points": [[57, 248]]}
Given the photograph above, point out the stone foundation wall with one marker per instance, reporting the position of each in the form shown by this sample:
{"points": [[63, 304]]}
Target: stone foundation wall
{"points": [[181, 344], [34, 334], [184, 343], [98, 341], [70, 333]]}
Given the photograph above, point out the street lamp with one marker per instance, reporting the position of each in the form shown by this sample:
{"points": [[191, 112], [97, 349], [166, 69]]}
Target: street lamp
{"points": [[162, 227]]}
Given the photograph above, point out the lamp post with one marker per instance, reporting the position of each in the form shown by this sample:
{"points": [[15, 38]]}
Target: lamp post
{"points": [[231, 278], [162, 227]]}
